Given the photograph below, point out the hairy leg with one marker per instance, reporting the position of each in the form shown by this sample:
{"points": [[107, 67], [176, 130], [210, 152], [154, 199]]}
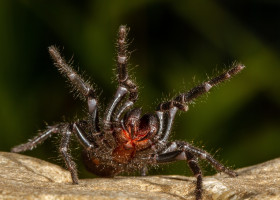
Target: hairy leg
{"points": [[206, 156], [183, 151], [126, 84], [191, 95], [63, 149], [82, 87], [182, 100], [192, 162], [176, 151], [40, 138]]}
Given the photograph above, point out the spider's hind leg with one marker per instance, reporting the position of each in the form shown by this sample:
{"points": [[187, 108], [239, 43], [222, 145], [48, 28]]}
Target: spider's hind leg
{"points": [[40, 138], [183, 151], [65, 130], [179, 150], [206, 156]]}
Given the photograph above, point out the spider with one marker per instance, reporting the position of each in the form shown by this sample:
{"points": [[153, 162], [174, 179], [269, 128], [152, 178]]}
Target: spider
{"points": [[122, 139]]}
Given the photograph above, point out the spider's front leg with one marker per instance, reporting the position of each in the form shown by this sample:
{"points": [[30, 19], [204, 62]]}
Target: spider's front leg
{"points": [[126, 84], [83, 87], [180, 150], [182, 100], [191, 95]]}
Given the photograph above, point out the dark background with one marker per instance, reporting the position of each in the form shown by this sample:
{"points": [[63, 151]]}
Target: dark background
{"points": [[173, 42]]}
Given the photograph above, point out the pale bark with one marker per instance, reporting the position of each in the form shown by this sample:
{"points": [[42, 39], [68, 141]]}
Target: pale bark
{"points": [[24, 177]]}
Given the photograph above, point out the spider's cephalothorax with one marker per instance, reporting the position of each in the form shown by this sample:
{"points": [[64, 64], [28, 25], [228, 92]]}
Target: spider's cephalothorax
{"points": [[122, 139]]}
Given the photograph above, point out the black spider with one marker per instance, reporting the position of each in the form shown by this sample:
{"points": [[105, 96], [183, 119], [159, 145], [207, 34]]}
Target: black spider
{"points": [[122, 139]]}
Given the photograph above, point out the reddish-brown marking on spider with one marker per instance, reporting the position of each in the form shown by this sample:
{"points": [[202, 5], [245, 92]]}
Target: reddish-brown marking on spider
{"points": [[134, 135]]}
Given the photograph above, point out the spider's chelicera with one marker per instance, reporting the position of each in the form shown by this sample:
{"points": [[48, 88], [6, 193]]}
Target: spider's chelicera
{"points": [[122, 139]]}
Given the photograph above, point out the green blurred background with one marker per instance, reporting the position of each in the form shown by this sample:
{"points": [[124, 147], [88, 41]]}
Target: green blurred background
{"points": [[175, 45]]}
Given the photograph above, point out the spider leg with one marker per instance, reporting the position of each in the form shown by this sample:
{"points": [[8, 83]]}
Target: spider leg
{"points": [[40, 138], [206, 156], [180, 102], [81, 136], [65, 131], [90, 146], [122, 59], [120, 93], [160, 116], [183, 151], [83, 87], [185, 98], [171, 115], [181, 146], [192, 162], [126, 84], [64, 145]]}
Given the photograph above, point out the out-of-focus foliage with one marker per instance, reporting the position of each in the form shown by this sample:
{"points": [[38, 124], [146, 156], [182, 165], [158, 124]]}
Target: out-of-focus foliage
{"points": [[175, 45]]}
